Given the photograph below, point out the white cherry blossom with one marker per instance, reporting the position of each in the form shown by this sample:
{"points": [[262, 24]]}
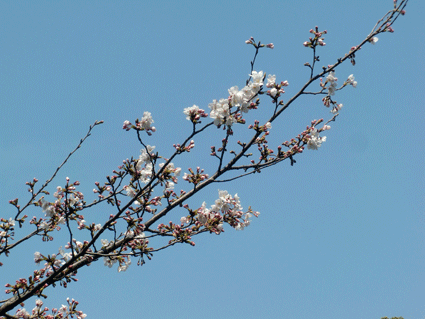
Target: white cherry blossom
{"points": [[315, 140]]}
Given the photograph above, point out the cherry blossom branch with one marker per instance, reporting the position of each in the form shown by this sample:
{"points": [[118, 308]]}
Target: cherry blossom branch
{"points": [[8, 247], [133, 241]]}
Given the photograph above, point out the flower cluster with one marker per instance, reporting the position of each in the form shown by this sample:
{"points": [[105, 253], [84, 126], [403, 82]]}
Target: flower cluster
{"points": [[6, 229], [68, 203], [144, 165], [145, 124], [331, 85], [66, 311], [227, 209], [275, 89], [221, 111], [194, 113], [350, 80], [331, 79], [315, 141]]}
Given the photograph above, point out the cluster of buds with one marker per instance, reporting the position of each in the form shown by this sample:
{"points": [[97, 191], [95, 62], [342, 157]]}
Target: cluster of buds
{"points": [[31, 185], [185, 148], [388, 28], [21, 284], [195, 178], [260, 128], [317, 40], [180, 233], [104, 188], [259, 45], [265, 152]]}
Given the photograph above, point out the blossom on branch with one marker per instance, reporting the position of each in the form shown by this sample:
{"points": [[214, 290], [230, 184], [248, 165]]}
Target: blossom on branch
{"points": [[315, 141]]}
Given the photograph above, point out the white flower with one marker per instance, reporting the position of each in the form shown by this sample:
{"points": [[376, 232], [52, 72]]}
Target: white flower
{"points": [[58, 193], [129, 233], [127, 125], [104, 242], [22, 313], [271, 81], [335, 109], [351, 81], [37, 257], [203, 214], [170, 167], [11, 222], [332, 88], [332, 83], [373, 40], [79, 244], [177, 171], [72, 200], [66, 256], [257, 80], [146, 173], [169, 185], [124, 266], [44, 225], [145, 156], [47, 208], [140, 236], [331, 77], [273, 92], [130, 191], [220, 112], [109, 262], [146, 120], [315, 140], [190, 110]]}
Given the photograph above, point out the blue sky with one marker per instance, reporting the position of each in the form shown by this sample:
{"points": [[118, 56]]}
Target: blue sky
{"points": [[341, 233]]}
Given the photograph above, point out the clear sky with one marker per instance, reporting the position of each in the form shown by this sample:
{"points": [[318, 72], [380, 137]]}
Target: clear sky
{"points": [[341, 233]]}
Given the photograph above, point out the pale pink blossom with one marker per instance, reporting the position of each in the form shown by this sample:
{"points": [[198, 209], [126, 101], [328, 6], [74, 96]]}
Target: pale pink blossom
{"points": [[271, 80], [315, 140], [146, 121], [374, 40], [351, 81]]}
